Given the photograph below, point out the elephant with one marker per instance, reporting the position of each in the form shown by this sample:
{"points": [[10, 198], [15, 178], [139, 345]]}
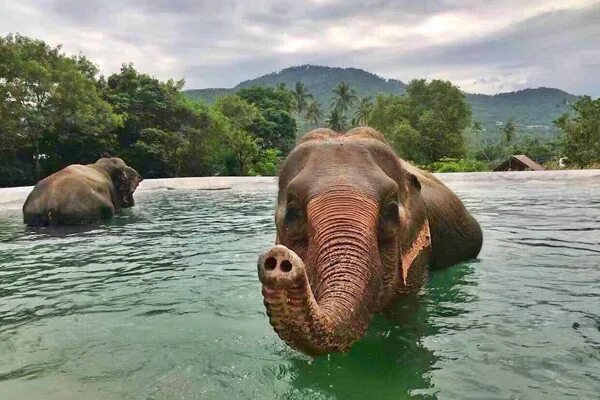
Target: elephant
{"points": [[356, 227], [80, 194]]}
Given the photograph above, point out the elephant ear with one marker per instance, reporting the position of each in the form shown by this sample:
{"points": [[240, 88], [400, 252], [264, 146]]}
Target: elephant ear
{"points": [[127, 181], [413, 181]]}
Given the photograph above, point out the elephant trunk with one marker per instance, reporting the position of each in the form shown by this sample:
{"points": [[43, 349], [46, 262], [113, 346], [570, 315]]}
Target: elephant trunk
{"points": [[327, 304]]}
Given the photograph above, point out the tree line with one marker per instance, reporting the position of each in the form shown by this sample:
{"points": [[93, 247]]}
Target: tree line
{"points": [[57, 110]]}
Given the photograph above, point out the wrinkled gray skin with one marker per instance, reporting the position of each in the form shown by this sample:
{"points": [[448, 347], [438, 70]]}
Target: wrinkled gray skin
{"points": [[356, 228], [80, 194]]}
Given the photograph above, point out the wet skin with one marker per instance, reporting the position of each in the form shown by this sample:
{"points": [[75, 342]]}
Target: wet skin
{"points": [[356, 228], [80, 194]]}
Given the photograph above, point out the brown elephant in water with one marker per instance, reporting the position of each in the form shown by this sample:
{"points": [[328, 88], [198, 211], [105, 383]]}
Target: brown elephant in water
{"points": [[80, 194], [356, 228]]}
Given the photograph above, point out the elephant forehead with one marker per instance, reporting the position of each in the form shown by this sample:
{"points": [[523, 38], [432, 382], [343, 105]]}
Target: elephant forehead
{"points": [[342, 203], [370, 182]]}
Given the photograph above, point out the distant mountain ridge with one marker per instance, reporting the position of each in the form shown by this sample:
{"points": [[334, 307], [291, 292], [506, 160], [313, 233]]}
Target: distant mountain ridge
{"points": [[533, 110], [319, 80]]}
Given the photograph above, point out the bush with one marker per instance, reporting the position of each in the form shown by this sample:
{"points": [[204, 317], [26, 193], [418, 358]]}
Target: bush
{"points": [[267, 163], [462, 165]]}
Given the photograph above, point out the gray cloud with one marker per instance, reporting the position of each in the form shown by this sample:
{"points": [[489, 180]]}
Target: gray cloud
{"points": [[483, 46]]}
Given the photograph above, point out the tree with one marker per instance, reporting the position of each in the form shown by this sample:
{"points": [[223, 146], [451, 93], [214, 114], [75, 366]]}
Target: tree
{"points": [[427, 123], [508, 132], [161, 152], [301, 97], [144, 102], [343, 98], [314, 113], [581, 131], [391, 115], [204, 152], [336, 120], [244, 148], [243, 119], [47, 98], [154, 114], [267, 163], [264, 97], [363, 111], [278, 127], [440, 113]]}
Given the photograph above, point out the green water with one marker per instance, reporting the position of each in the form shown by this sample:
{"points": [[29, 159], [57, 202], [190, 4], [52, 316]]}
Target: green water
{"points": [[163, 302]]}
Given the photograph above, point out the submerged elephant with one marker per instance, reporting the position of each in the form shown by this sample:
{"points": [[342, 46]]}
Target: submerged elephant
{"points": [[80, 194], [356, 228]]}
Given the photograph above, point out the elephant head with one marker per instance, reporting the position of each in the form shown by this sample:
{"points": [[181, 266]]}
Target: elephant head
{"points": [[350, 224], [124, 178]]}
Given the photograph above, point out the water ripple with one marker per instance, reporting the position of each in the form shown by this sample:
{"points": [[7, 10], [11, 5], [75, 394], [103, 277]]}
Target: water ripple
{"points": [[163, 302]]}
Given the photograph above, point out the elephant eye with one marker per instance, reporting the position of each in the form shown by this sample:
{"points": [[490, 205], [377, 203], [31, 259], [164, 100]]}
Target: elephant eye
{"points": [[294, 222], [389, 219]]}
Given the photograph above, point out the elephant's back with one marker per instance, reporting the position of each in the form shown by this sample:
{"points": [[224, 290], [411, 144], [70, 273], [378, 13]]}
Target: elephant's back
{"points": [[71, 195], [455, 234]]}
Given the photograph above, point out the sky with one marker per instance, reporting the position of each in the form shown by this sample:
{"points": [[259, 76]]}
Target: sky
{"points": [[481, 46]]}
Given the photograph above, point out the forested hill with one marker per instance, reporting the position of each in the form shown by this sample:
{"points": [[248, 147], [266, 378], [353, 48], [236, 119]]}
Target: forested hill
{"points": [[318, 80], [533, 110]]}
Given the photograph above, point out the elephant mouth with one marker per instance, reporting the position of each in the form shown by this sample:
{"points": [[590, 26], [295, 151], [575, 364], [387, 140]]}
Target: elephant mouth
{"points": [[128, 200]]}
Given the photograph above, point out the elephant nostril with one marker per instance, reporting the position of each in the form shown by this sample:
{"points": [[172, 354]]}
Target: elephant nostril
{"points": [[270, 263], [286, 266]]}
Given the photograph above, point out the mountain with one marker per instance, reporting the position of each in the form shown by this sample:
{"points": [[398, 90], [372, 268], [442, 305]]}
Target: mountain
{"points": [[533, 110], [318, 80]]}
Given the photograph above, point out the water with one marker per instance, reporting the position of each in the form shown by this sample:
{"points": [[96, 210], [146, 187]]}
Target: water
{"points": [[163, 302]]}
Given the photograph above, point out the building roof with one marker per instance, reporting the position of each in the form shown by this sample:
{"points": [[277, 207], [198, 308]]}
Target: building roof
{"points": [[523, 159]]}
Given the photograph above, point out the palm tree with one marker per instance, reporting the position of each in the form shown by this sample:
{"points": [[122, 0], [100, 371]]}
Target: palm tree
{"points": [[343, 97], [301, 95], [336, 120], [363, 111], [313, 113], [508, 131]]}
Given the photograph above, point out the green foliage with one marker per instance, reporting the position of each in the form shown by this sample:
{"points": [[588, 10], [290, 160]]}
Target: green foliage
{"points": [[267, 163], [531, 109], [426, 124], [440, 114], [343, 98], [160, 126], [581, 131], [511, 139], [336, 120], [55, 111], [455, 165], [50, 107], [265, 98], [301, 97], [508, 132], [314, 115], [363, 111], [243, 147], [278, 127]]}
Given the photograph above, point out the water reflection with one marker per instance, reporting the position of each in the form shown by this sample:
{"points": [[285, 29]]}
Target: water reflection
{"points": [[391, 361]]}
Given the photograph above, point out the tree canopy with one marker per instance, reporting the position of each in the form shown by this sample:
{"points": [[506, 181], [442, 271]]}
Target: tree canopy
{"points": [[50, 107], [427, 123], [56, 110], [581, 130]]}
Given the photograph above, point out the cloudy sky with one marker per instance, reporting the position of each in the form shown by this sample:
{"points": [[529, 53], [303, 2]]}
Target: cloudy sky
{"points": [[482, 46]]}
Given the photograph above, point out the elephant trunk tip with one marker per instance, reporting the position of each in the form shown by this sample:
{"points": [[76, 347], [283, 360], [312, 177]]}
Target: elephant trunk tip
{"points": [[293, 311], [280, 268]]}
